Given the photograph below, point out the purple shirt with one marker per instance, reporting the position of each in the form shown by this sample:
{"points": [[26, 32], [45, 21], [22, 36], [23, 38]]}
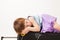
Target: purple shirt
{"points": [[47, 23]]}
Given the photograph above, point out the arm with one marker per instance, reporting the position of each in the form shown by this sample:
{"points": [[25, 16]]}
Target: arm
{"points": [[36, 27], [56, 26]]}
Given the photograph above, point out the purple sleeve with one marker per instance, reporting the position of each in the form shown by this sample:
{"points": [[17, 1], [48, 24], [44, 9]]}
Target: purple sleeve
{"points": [[48, 18]]}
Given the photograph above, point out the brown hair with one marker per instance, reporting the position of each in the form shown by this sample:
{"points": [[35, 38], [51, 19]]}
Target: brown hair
{"points": [[19, 25]]}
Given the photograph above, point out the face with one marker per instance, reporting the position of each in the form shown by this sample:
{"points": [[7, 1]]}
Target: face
{"points": [[27, 23]]}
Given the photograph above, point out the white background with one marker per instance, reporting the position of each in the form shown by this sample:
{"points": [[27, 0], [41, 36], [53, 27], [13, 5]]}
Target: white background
{"points": [[12, 9]]}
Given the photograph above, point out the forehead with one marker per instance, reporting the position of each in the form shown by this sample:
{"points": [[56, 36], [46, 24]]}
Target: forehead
{"points": [[26, 19]]}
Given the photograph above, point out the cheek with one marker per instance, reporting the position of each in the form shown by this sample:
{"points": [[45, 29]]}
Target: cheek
{"points": [[28, 23]]}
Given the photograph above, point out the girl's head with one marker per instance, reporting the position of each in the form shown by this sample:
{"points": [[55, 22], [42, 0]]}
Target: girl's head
{"points": [[20, 24], [28, 23]]}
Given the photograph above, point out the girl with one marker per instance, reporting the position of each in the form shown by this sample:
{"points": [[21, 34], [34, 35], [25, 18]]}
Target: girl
{"points": [[34, 23]]}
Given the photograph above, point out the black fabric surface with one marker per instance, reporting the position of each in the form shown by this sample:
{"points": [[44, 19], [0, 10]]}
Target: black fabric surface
{"points": [[40, 36]]}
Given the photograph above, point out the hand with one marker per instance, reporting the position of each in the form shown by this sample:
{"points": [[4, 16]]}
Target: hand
{"points": [[31, 19]]}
